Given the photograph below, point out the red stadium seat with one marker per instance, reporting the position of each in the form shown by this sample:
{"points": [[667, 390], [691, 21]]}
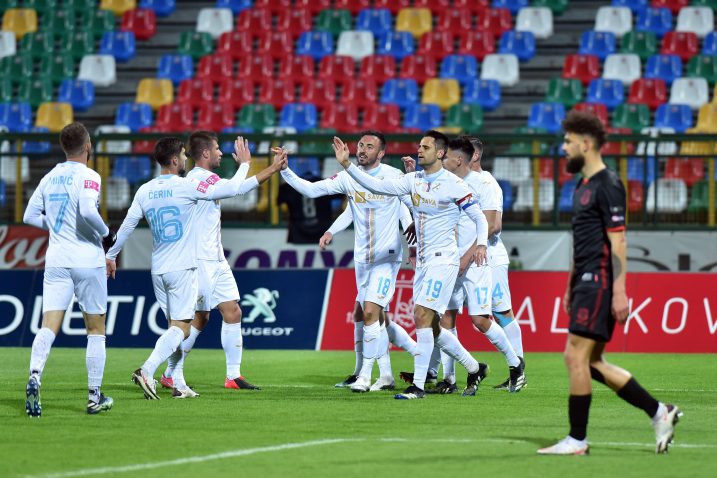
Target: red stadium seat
{"points": [[547, 170], [255, 67], [437, 45], [337, 68], [683, 44], [418, 67], [478, 44], [314, 6], [215, 117], [650, 91], [175, 118], [614, 148], [254, 21], [598, 109], [236, 43], [320, 92], [141, 21], [673, 5], [275, 44], [688, 170], [236, 92], [296, 68], [455, 20], [276, 92], [382, 117], [215, 67], [393, 5], [475, 6], [378, 68], [360, 91], [340, 116], [435, 6], [402, 147], [354, 6], [274, 6], [295, 21], [195, 92], [582, 67], [636, 196], [496, 21], [145, 146]]}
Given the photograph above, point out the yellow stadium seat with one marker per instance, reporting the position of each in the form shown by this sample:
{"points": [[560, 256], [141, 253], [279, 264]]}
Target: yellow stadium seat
{"points": [[54, 116], [20, 21], [262, 202], [707, 118], [118, 7], [442, 92], [417, 21], [697, 147], [155, 92]]}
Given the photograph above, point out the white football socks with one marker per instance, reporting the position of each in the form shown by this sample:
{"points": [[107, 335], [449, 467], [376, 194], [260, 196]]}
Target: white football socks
{"points": [[371, 347], [400, 338], [166, 344], [499, 339], [41, 346], [435, 362], [512, 331], [449, 344], [384, 359], [424, 348], [180, 356], [233, 344], [358, 346], [449, 364], [95, 358]]}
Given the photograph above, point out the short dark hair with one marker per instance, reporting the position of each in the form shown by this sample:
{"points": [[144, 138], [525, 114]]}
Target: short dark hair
{"points": [[166, 149], [73, 138], [198, 142], [475, 141], [462, 145], [440, 139], [378, 134], [582, 122]]}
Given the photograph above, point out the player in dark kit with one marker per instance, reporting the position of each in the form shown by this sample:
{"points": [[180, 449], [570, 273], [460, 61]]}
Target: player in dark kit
{"points": [[596, 298]]}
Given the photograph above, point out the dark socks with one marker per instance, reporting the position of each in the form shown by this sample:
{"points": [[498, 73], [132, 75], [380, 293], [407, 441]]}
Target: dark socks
{"points": [[578, 411], [597, 376], [638, 397]]}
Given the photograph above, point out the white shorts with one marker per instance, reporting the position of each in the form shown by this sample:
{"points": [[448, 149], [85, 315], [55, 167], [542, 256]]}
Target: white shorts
{"points": [[473, 288], [501, 290], [376, 282], [216, 284], [433, 286], [176, 293], [89, 285]]}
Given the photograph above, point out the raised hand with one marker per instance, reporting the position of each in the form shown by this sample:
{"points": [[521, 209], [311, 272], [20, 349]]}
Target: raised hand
{"points": [[280, 158], [341, 150], [241, 153], [409, 164]]}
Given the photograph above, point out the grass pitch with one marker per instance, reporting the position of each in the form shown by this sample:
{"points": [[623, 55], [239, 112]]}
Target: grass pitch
{"points": [[299, 425]]}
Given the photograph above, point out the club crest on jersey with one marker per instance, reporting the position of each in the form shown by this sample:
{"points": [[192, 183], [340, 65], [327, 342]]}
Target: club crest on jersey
{"points": [[90, 184], [359, 197], [213, 179], [585, 197], [202, 186]]}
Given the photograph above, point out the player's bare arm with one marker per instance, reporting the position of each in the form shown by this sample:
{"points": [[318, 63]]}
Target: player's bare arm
{"points": [[618, 243]]}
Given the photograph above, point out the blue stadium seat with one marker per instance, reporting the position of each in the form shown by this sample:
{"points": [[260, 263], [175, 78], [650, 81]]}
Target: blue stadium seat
{"points": [[422, 117], [175, 68], [236, 6], [397, 44], [463, 68], [664, 67], [546, 115], [162, 8], [512, 5], [16, 116], [520, 44], [636, 169], [508, 197], [302, 166], [315, 44], [709, 44], [485, 93], [634, 5], [134, 115], [611, 93], [133, 168], [566, 195], [655, 20], [79, 93], [402, 92], [301, 116], [678, 117], [36, 146], [600, 44], [2, 193], [119, 44], [228, 146], [376, 20]]}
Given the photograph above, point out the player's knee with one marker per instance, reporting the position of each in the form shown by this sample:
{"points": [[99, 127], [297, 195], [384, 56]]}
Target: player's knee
{"points": [[503, 318], [481, 323], [232, 315]]}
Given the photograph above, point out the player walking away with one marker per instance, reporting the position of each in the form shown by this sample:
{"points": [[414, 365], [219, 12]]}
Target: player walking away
{"points": [[217, 286], [437, 198], [65, 203], [595, 297], [377, 255], [498, 258]]}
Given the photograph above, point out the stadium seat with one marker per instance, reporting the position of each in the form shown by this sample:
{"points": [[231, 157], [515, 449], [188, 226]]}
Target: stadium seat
{"points": [[476, 43], [624, 67], [385, 118], [615, 148], [316, 44], [6, 90], [54, 116], [376, 20], [707, 118], [135, 169], [257, 116], [16, 67], [236, 6], [378, 68], [611, 93], [454, 20], [313, 6], [463, 68], [35, 44], [416, 21], [495, 21], [419, 68], [546, 196], [143, 23], [709, 44], [254, 21], [8, 172], [548, 116], [155, 92], [342, 117], [503, 68], [394, 6], [41, 6], [581, 67], [302, 166], [118, 194], [360, 92], [597, 109], [565, 203], [465, 118], [436, 45], [16, 116], [442, 92], [396, 44], [683, 44], [693, 92], [215, 117], [98, 22], [296, 68], [195, 44], [673, 5], [118, 7], [665, 67], [215, 67], [636, 170], [631, 116], [274, 6], [35, 91], [635, 196], [511, 5], [599, 44], [401, 92], [294, 21], [566, 91], [233, 92], [536, 20], [435, 6], [145, 146], [355, 44], [197, 91], [175, 118], [254, 67], [162, 8], [422, 117], [56, 67], [33, 147], [516, 170], [634, 5], [688, 170], [79, 93], [78, 43], [237, 44], [652, 148], [675, 116], [121, 45], [353, 6], [703, 66], [99, 69], [655, 20], [175, 68], [671, 196], [320, 92], [507, 189], [337, 68], [134, 116], [20, 21], [58, 21], [334, 21], [699, 20], [642, 44], [650, 91], [276, 44], [699, 197], [518, 43], [214, 21], [276, 92], [616, 20], [485, 93]]}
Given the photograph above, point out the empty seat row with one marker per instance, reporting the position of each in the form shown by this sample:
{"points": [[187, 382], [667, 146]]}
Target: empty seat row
{"points": [[619, 20], [645, 44]]}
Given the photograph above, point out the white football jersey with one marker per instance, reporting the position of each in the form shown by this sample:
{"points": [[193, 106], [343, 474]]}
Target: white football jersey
{"points": [[490, 198], [377, 237], [73, 243]]}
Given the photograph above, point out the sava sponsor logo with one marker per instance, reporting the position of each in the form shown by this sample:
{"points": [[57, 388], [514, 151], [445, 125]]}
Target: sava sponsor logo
{"points": [[262, 303]]}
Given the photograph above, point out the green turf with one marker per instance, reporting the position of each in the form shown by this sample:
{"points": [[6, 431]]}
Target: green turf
{"points": [[491, 434]]}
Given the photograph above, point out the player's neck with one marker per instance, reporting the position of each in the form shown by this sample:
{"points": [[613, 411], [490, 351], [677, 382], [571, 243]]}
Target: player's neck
{"points": [[462, 172], [166, 171], [371, 167], [78, 159], [593, 165], [476, 167], [433, 168]]}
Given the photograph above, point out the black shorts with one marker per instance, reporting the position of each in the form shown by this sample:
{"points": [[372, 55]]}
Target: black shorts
{"points": [[590, 307]]}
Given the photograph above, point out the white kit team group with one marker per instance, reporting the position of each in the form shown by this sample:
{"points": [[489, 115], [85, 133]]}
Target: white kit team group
{"points": [[451, 210]]}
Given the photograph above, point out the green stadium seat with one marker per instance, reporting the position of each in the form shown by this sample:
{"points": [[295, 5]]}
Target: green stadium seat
{"points": [[611, 163], [78, 43], [334, 21], [57, 67], [642, 44], [59, 21], [704, 3], [98, 21], [257, 116], [564, 90], [35, 90], [558, 7], [469, 118], [42, 7], [704, 66], [196, 44], [632, 116], [7, 4], [5, 90], [318, 148], [699, 197], [16, 67], [526, 147], [37, 44], [227, 167]]}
